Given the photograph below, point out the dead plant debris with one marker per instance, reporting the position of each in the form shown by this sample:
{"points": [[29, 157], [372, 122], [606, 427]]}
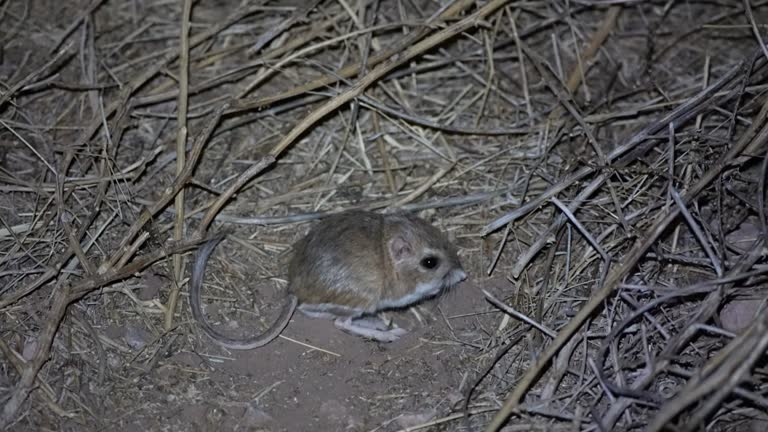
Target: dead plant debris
{"points": [[600, 164]]}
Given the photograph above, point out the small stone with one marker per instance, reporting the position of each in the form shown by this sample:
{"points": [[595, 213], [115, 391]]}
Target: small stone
{"points": [[136, 337], [416, 419], [30, 347], [151, 283], [737, 315]]}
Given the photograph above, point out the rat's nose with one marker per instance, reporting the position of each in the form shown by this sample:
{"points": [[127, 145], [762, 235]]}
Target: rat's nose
{"points": [[459, 275]]}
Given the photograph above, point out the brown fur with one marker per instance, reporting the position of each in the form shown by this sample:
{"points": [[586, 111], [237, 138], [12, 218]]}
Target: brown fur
{"points": [[347, 259]]}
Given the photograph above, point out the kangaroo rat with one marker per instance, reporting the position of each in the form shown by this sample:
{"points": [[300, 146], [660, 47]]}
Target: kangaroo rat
{"points": [[351, 266]]}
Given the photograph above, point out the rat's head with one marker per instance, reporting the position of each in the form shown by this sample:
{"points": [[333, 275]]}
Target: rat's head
{"points": [[425, 263]]}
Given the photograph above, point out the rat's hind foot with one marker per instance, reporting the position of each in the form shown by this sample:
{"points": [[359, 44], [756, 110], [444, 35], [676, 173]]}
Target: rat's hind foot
{"points": [[370, 327]]}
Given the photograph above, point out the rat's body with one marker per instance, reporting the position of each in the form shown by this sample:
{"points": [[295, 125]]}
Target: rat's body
{"points": [[350, 266]]}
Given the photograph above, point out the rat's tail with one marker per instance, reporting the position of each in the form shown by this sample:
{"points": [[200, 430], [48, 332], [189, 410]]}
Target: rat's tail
{"points": [[195, 297]]}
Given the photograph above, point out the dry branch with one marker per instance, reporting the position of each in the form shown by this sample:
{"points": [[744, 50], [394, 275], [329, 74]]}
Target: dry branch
{"points": [[627, 138], [756, 135]]}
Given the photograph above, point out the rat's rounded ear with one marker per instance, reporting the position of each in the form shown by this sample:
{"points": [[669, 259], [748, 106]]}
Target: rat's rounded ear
{"points": [[400, 248]]}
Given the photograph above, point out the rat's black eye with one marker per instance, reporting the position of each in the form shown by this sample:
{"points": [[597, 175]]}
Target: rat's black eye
{"points": [[430, 262]]}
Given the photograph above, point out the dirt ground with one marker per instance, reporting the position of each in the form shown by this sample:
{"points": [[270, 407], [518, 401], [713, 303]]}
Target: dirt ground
{"points": [[287, 386], [314, 377], [600, 165]]}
